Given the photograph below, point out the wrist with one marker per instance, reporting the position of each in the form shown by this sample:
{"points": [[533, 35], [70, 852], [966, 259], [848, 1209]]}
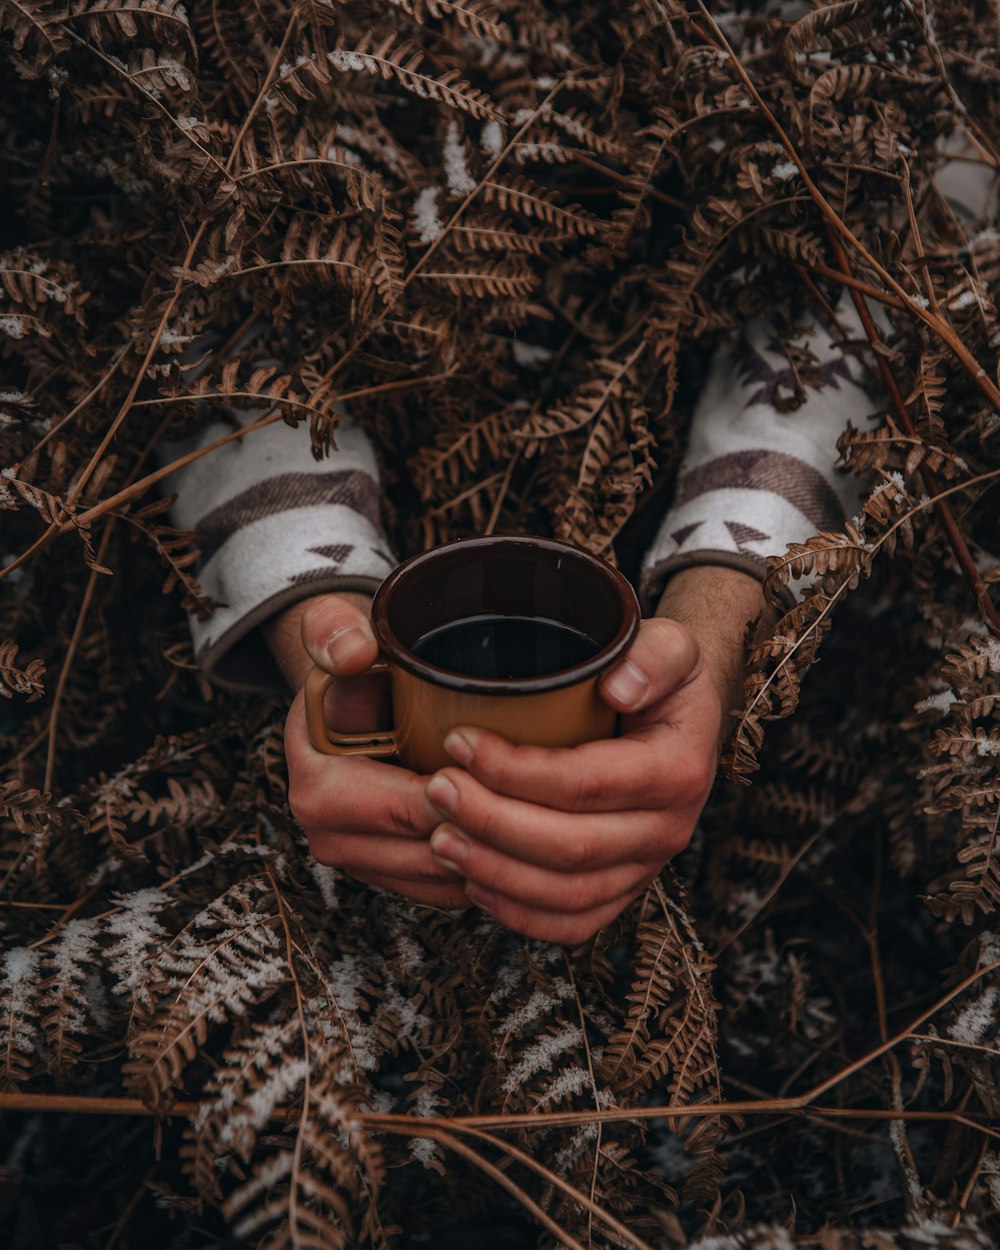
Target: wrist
{"points": [[283, 635], [720, 607]]}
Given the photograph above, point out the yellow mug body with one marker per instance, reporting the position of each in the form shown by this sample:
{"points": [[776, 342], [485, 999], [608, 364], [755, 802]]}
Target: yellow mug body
{"points": [[533, 577], [424, 714]]}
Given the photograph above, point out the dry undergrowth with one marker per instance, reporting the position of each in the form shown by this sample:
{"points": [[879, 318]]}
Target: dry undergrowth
{"points": [[498, 234]]}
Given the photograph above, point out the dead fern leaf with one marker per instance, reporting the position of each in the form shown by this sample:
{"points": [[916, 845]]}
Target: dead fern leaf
{"points": [[391, 60], [14, 680], [37, 32], [164, 20], [33, 282], [228, 958], [521, 195], [475, 16], [20, 1013], [511, 280], [68, 994], [177, 551], [979, 891]]}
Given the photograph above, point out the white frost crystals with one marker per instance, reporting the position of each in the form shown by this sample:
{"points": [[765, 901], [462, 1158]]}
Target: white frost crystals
{"points": [[541, 1054], [18, 1017], [460, 181], [426, 217], [138, 932], [491, 138], [978, 1021], [13, 326], [346, 59], [426, 220]]}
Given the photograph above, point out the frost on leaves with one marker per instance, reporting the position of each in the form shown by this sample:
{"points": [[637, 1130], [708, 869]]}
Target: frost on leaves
{"points": [[228, 959]]}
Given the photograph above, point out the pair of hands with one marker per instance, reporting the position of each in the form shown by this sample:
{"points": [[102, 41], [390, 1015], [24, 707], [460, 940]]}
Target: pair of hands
{"points": [[553, 843]]}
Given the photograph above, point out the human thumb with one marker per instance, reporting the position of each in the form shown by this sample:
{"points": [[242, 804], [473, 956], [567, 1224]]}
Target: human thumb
{"points": [[663, 657], [337, 635]]}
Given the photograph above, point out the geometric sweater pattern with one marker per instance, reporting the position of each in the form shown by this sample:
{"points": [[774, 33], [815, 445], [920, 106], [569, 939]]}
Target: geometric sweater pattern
{"points": [[277, 526]]}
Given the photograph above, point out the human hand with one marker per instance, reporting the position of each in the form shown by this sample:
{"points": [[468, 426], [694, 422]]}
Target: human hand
{"points": [[555, 842], [635, 798], [370, 819]]}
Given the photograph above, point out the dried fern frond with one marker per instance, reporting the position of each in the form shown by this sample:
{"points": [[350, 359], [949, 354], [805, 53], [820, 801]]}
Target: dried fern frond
{"points": [[177, 551], [14, 680], [197, 981], [37, 29], [389, 59], [520, 194]]}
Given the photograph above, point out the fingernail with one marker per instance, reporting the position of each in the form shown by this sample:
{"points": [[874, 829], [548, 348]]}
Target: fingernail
{"points": [[627, 684], [482, 898], [343, 643], [449, 848], [459, 746], [442, 793]]}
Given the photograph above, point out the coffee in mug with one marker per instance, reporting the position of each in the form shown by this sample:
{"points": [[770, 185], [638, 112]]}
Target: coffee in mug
{"points": [[507, 634]]}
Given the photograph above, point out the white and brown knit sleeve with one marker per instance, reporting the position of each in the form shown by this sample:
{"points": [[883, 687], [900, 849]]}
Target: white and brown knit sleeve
{"points": [[276, 526], [759, 469]]}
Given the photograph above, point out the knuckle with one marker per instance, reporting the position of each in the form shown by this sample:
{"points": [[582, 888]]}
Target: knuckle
{"points": [[485, 819], [662, 790], [671, 633], [405, 818], [572, 853], [316, 622], [665, 838], [499, 764], [673, 646], [323, 617], [588, 788], [495, 877], [588, 895]]}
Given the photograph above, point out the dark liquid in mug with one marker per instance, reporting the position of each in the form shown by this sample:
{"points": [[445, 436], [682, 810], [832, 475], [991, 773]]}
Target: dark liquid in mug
{"points": [[504, 647]]}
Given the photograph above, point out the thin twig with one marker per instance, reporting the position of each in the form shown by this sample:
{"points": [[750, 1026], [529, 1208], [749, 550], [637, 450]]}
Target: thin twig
{"points": [[74, 643], [836, 223], [786, 872], [377, 1121], [137, 489], [856, 284], [185, 265]]}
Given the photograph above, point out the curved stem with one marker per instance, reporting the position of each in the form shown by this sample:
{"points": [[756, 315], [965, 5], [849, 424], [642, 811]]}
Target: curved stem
{"points": [[954, 535]]}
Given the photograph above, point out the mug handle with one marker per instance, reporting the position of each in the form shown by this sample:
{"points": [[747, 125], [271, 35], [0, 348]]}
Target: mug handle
{"points": [[374, 745]]}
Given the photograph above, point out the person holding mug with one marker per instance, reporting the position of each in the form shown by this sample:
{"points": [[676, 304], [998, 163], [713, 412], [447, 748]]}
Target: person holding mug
{"points": [[553, 842]]}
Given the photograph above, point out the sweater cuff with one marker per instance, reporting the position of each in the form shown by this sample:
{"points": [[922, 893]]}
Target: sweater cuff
{"points": [[266, 563], [759, 471], [655, 576], [275, 527]]}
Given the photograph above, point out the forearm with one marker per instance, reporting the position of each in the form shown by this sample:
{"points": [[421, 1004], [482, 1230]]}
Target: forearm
{"points": [[718, 605]]}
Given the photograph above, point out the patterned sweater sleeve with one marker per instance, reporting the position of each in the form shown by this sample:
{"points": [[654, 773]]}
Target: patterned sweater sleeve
{"points": [[759, 468], [276, 526]]}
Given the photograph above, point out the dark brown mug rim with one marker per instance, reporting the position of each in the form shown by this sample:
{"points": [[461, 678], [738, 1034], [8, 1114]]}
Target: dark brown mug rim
{"points": [[396, 653]]}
